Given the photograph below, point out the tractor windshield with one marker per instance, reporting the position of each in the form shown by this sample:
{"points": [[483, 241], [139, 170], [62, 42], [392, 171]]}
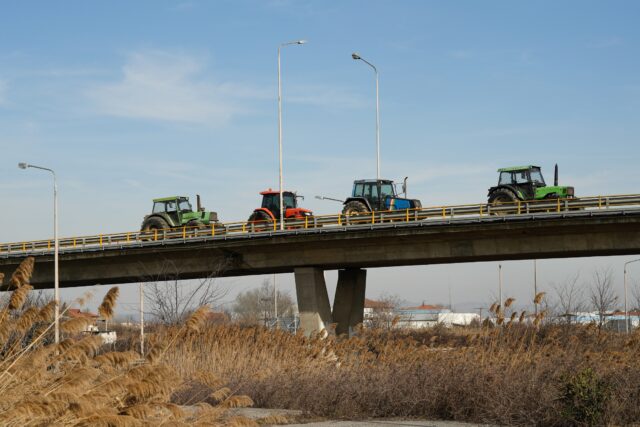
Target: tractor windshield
{"points": [[505, 178], [536, 176], [184, 205], [289, 200], [387, 190]]}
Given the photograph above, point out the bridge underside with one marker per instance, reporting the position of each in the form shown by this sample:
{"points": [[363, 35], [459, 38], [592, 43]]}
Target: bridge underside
{"points": [[308, 254], [396, 245]]}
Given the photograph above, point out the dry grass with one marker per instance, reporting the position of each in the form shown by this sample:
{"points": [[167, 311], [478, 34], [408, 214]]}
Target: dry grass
{"points": [[506, 372], [512, 375], [78, 382]]}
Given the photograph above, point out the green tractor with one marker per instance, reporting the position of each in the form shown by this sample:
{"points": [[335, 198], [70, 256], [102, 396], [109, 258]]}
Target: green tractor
{"points": [[526, 183], [176, 211]]}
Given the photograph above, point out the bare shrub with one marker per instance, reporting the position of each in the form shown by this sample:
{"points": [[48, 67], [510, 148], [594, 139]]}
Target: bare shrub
{"points": [[602, 294], [171, 300]]}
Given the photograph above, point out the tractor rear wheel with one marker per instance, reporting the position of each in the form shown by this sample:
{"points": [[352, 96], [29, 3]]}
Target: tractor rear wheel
{"points": [[154, 223], [261, 221], [353, 210], [502, 196], [152, 226]]}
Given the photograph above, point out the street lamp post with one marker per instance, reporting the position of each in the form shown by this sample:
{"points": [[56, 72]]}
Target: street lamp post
{"points": [[56, 292], [280, 127], [626, 311], [500, 287], [356, 57]]}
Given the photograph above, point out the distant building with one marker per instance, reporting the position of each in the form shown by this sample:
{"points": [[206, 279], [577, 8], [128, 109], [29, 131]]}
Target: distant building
{"points": [[426, 316], [614, 320], [377, 313]]}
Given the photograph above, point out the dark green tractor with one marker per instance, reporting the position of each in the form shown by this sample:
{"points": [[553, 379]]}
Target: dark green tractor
{"points": [[176, 211], [526, 183]]}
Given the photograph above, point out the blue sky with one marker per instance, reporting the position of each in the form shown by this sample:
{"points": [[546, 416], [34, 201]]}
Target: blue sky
{"points": [[128, 101]]}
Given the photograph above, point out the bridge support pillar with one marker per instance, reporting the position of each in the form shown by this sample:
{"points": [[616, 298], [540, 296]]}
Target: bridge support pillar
{"points": [[348, 305], [313, 300]]}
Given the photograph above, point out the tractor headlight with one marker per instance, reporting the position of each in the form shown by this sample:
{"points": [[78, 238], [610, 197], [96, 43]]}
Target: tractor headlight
{"points": [[570, 192]]}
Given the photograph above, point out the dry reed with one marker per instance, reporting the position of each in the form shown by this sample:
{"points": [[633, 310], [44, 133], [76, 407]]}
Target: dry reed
{"points": [[78, 382]]}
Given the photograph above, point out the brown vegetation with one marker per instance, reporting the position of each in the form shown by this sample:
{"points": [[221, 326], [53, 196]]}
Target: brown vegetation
{"points": [[508, 372], [78, 382], [511, 375]]}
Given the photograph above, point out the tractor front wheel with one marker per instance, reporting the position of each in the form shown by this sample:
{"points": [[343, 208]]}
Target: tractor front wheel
{"points": [[502, 196]]}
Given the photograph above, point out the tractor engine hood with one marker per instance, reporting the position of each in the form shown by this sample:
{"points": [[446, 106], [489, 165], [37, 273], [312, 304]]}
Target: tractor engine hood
{"points": [[297, 212]]}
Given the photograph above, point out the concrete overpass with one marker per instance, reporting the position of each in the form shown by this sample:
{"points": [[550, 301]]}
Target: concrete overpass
{"points": [[349, 248]]}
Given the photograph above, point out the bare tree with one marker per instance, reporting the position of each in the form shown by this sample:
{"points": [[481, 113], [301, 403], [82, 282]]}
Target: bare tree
{"points": [[569, 297], [171, 300], [382, 313], [602, 295], [257, 306]]}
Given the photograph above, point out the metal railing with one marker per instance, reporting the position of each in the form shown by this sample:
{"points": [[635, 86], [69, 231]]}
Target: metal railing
{"points": [[247, 229]]}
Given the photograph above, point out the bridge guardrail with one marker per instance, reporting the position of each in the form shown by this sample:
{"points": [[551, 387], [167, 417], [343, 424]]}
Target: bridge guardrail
{"points": [[257, 228]]}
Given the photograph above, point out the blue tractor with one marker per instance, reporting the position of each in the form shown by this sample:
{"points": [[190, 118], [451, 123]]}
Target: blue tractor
{"points": [[372, 195]]}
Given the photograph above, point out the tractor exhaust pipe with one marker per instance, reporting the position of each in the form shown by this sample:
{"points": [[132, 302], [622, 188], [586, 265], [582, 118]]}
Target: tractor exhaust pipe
{"points": [[198, 204], [404, 186], [555, 176]]}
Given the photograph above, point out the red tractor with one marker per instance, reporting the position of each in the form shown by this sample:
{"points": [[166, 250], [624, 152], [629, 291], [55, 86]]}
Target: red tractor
{"points": [[269, 212]]}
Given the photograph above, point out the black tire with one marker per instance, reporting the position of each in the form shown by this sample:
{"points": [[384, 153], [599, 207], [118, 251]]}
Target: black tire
{"points": [[261, 221], [355, 207], [154, 223], [195, 223], [502, 196]]}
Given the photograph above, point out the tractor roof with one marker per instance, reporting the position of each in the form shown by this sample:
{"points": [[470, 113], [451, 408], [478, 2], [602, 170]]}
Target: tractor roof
{"points": [[170, 198], [367, 181], [518, 168], [270, 191]]}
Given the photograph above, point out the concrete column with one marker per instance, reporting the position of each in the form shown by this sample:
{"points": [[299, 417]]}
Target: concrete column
{"points": [[313, 300], [348, 305]]}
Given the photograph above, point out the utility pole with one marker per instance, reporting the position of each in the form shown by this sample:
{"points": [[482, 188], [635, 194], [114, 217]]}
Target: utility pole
{"points": [[535, 285], [275, 299], [142, 319], [500, 286]]}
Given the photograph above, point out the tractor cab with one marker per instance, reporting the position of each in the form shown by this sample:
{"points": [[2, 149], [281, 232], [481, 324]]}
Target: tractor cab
{"points": [[374, 191], [271, 201], [270, 207], [176, 208], [524, 179]]}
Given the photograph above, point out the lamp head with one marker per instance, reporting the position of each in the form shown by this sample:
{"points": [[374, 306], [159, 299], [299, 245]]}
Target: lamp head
{"points": [[301, 42], [23, 165], [355, 56]]}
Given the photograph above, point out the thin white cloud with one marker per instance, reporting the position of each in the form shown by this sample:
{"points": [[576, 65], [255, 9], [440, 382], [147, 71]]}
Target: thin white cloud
{"points": [[605, 42], [461, 54], [323, 96], [157, 85]]}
